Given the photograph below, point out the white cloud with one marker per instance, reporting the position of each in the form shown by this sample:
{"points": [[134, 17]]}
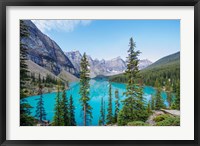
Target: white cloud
{"points": [[59, 25]]}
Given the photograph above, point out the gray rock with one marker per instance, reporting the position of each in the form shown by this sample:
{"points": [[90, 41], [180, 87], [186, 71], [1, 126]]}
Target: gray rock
{"points": [[144, 63], [45, 52]]}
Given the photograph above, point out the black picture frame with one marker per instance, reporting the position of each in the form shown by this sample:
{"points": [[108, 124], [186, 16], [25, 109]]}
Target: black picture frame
{"points": [[5, 3]]}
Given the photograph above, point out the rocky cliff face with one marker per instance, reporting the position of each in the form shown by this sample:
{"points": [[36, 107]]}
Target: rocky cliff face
{"points": [[45, 52], [75, 58]]}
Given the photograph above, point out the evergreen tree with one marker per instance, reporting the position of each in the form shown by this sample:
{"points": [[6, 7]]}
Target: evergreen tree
{"points": [[169, 92], [116, 104], [102, 113], [33, 77], [109, 117], [149, 107], [133, 106], [176, 104], [25, 118], [40, 111], [64, 107], [158, 101], [157, 84], [84, 90], [72, 121], [152, 102], [169, 99], [58, 115], [43, 80]]}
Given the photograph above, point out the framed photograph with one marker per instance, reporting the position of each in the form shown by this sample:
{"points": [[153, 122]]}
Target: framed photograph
{"points": [[99, 72]]}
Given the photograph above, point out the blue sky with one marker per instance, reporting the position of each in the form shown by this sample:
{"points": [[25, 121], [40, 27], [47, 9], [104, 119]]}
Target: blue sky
{"points": [[107, 39]]}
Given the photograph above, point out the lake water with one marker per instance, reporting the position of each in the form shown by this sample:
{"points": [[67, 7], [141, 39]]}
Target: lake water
{"points": [[98, 89]]}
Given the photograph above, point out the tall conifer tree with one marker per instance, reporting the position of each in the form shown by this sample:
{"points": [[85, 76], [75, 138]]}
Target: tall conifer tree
{"points": [[152, 102], [102, 113], [116, 104], [109, 117], [58, 114], [65, 107], [72, 121], [176, 103], [133, 106], [25, 118], [158, 100], [40, 111], [84, 90]]}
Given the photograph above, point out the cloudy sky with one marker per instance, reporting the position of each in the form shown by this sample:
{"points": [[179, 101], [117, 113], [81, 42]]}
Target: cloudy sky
{"points": [[108, 39]]}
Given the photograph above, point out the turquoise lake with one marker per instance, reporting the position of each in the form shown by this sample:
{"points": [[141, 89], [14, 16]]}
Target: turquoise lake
{"points": [[98, 89]]}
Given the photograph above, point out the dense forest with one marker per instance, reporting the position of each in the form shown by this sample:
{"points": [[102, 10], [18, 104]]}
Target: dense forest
{"points": [[164, 74]]}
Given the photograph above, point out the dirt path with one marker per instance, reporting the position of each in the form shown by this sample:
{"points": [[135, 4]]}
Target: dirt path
{"points": [[172, 112], [150, 120], [156, 113]]}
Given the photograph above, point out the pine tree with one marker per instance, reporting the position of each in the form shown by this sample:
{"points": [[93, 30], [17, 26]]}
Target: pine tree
{"points": [[133, 106], [109, 117], [84, 90], [116, 104], [23, 58], [177, 99], [149, 107], [58, 115], [64, 107], [176, 104], [158, 101], [157, 84], [169, 92], [40, 111], [72, 121], [102, 114], [25, 118], [152, 102], [169, 99]]}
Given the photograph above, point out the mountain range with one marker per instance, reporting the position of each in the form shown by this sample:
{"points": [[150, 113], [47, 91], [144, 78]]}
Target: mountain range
{"points": [[103, 67], [46, 57]]}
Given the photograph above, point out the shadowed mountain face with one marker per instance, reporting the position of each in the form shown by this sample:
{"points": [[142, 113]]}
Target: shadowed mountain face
{"points": [[103, 67], [45, 52]]}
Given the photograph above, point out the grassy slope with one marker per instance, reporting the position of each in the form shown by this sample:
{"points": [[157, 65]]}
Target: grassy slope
{"points": [[67, 76], [36, 69]]}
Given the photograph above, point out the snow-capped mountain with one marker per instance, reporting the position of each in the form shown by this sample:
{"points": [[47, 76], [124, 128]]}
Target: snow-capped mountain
{"points": [[144, 63], [103, 67]]}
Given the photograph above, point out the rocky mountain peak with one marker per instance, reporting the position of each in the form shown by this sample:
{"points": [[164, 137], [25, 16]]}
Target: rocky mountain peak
{"points": [[45, 52], [105, 67], [144, 63]]}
